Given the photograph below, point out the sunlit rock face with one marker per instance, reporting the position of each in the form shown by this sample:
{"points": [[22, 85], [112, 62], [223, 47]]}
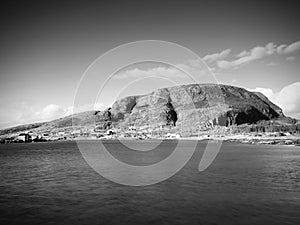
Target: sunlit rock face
{"points": [[190, 106]]}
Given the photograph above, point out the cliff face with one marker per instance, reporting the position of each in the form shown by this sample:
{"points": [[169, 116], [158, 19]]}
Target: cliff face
{"points": [[190, 106], [272, 105]]}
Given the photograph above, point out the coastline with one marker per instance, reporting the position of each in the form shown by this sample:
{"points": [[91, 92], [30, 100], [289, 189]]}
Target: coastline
{"points": [[272, 138], [242, 139], [291, 140]]}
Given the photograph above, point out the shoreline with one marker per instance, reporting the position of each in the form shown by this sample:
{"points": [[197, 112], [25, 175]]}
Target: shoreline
{"points": [[250, 139], [241, 139]]}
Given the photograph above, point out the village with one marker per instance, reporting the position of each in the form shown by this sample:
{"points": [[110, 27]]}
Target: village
{"points": [[90, 133], [168, 132], [108, 131]]}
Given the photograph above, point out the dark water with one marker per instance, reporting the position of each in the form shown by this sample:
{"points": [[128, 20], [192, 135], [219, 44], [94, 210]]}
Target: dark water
{"points": [[50, 183]]}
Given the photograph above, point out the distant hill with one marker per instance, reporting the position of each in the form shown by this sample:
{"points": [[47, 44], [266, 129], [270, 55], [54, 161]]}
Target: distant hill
{"points": [[21, 128], [80, 119], [185, 106]]}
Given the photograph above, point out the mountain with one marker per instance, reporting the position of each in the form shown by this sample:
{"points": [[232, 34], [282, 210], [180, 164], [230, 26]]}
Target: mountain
{"points": [[187, 107]]}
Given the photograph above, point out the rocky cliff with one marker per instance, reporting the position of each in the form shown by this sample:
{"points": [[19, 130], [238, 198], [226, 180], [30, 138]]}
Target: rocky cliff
{"points": [[191, 106]]}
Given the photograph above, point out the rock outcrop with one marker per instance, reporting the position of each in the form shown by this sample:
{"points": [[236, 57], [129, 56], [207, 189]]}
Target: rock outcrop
{"points": [[190, 106]]}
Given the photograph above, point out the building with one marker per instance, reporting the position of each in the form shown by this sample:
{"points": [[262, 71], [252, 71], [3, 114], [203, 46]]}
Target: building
{"points": [[23, 137]]}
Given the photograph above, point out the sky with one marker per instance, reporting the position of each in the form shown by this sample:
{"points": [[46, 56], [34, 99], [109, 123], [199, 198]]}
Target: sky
{"points": [[49, 48]]}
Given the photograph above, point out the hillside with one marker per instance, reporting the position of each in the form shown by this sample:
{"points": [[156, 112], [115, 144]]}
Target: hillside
{"points": [[189, 106], [185, 106]]}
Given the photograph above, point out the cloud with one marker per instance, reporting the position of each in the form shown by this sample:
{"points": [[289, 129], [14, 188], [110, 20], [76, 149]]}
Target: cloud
{"points": [[196, 66], [290, 58], [258, 52], [155, 71], [287, 98], [225, 64], [25, 113], [54, 111], [192, 66], [242, 54], [50, 112], [288, 49], [245, 57], [217, 56]]}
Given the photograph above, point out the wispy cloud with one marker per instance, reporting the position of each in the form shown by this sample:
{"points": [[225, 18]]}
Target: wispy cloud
{"points": [[288, 49], [259, 52], [245, 57], [215, 60], [192, 66], [155, 71], [217, 56]]}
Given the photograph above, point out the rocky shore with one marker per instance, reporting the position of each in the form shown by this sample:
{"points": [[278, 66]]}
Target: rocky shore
{"points": [[264, 139]]}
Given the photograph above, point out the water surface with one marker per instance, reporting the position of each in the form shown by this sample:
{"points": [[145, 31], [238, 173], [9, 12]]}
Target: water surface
{"points": [[50, 183]]}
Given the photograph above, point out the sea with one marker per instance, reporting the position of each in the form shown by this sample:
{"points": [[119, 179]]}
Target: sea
{"points": [[51, 183]]}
